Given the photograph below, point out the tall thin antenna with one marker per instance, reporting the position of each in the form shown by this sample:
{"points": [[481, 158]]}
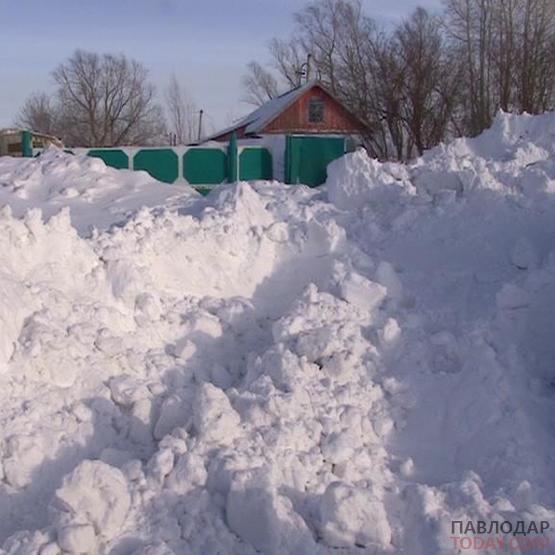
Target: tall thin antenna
{"points": [[304, 71]]}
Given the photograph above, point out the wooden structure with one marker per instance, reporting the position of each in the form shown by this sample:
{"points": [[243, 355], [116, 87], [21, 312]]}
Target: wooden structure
{"points": [[308, 110], [21, 142]]}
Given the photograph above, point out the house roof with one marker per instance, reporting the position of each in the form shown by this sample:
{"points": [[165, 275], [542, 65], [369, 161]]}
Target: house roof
{"points": [[257, 120]]}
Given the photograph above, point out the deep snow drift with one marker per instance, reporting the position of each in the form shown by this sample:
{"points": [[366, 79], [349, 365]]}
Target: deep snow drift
{"points": [[97, 195], [277, 369]]}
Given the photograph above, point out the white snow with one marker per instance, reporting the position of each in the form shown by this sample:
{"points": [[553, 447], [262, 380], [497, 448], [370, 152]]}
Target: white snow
{"points": [[353, 516], [278, 369], [97, 195]]}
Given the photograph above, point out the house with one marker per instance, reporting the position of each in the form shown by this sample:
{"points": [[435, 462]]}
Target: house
{"points": [[304, 129], [309, 109]]}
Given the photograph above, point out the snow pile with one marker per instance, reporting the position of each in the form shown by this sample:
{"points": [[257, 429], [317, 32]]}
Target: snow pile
{"points": [[356, 180], [98, 195], [515, 153], [282, 370]]}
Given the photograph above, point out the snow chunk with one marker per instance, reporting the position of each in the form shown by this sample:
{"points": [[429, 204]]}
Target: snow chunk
{"points": [[355, 180], [362, 292], [187, 474], [77, 538], [390, 333], [407, 468], [523, 255], [95, 493], [127, 390], [263, 518], [512, 297], [174, 412], [214, 418], [161, 463], [11, 317], [351, 516], [387, 276], [25, 453]]}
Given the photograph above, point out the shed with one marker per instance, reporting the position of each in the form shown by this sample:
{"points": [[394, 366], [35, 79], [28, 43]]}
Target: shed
{"points": [[22, 142]]}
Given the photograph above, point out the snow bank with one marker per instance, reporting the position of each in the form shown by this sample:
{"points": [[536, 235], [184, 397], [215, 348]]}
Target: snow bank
{"points": [[514, 155], [98, 195], [277, 369]]}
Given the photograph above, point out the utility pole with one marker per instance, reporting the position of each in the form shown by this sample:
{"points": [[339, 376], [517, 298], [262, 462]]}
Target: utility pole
{"points": [[200, 125]]}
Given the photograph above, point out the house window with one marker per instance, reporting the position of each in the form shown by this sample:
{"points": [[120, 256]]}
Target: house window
{"points": [[316, 110]]}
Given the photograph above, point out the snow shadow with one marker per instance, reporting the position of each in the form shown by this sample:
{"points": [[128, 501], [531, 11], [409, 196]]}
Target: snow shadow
{"points": [[478, 369]]}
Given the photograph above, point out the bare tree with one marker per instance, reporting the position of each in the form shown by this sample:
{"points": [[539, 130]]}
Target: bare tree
{"points": [[181, 113], [504, 51], [106, 100], [289, 56], [430, 81], [536, 60], [508, 48], [39, 113], [399, 84], [320, 26], [470, 23], [259, 85], [431, 77], [357, 75]]}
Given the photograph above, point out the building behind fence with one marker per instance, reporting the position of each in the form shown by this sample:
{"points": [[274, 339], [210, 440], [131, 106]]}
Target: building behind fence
{"points": [[21, 142], [292, 138], [287, 158]]}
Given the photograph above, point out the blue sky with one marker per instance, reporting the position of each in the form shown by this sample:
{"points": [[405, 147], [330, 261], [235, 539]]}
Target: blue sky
{"points": [[207, 43]]}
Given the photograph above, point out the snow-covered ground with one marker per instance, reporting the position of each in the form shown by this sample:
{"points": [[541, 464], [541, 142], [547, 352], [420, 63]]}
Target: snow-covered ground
{"points": [[276, 369]]}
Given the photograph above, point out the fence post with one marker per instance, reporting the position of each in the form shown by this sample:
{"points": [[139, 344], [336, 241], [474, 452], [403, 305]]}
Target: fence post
{"points": [[26, 144], [232, 159], [287, 161]]}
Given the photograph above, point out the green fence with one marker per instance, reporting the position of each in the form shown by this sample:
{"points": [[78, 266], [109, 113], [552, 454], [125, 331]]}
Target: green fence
{"points": [[307, 158], [204, 166], [115, 158], [160, 163], [305, 161], [255, 163]]}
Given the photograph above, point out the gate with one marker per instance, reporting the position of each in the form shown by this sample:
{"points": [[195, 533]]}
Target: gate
{"points": [[255, 163], [307, 157]]}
